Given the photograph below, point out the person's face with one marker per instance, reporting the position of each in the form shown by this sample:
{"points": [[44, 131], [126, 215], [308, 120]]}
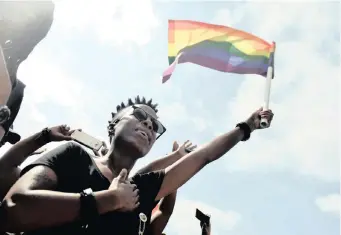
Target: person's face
{"points": [[137, 129]]}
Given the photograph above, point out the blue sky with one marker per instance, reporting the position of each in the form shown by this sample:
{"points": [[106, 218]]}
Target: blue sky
{"points": [[285, 180]]}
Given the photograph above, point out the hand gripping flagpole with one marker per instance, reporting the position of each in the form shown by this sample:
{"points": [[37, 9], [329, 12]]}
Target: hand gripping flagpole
{"points": [[264, 123]]}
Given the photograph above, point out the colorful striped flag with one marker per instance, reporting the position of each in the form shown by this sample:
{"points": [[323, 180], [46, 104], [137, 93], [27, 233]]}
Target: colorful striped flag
{"points": [[217, 47]]}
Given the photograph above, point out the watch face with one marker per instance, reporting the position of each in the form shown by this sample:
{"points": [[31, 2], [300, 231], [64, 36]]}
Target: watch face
{"points": [[88, 191]]}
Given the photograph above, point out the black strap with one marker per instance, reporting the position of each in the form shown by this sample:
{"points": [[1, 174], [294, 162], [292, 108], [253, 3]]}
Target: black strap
{"points": [[44, 137], [246, 129], [88, 209]]}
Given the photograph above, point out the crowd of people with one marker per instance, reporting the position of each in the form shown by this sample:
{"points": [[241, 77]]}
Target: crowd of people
{"points": [[68, 190]]}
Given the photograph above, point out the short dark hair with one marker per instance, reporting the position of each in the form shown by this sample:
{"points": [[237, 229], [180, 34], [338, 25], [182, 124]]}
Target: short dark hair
{"points": [[122, 106]]}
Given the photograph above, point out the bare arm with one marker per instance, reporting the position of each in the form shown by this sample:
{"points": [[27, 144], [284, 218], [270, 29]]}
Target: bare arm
{"points": [[161, 217], [30, 204], [15, 156], [5, 82], [18, 153], [12, 159], [185, 168], [177, 153], [161, 163]]}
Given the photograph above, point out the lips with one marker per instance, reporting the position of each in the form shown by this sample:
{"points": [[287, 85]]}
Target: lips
{"points": [[143, 135]]}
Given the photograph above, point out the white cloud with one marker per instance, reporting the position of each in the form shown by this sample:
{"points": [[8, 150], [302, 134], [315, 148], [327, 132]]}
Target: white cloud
{"points": [[114, 22], [46, 81], [177, 113], [304, 97], [183, 219], [227, 17], [329, 204]]}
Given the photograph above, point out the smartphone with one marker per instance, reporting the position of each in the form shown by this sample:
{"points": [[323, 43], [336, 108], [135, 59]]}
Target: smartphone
{"points": [[202, 217], [87, 140]]}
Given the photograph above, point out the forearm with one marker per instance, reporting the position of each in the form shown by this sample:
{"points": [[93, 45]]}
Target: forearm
{"points": [[161, 163], [2, 133], [5, 82], [167, 204], [161, 217], [219, 146], [19, 152], [42, 208], [185, 168]]}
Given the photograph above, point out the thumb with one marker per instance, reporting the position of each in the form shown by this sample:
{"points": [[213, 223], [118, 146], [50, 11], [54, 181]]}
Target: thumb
{"points": [[123, 175], [175, 146]]}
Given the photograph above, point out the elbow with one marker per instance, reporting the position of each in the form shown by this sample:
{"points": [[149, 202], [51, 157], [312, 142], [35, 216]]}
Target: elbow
{"points": [[13, 213]]}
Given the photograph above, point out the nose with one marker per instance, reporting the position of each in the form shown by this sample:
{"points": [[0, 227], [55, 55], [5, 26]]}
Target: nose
{"points": [[148, 123]]}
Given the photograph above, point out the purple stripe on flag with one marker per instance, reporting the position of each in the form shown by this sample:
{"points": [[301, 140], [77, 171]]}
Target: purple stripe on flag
{"points": [[242, 67]]}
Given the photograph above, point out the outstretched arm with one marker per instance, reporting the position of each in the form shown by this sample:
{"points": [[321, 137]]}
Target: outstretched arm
{"points": [[161, 217], [185, 168], [162, 163]]}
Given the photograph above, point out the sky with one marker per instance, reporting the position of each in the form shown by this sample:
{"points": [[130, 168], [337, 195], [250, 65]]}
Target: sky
{"points": [[285, 180]]}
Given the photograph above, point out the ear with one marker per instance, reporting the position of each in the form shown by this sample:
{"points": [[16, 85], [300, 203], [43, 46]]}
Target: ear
{"points": [[111, 128]]}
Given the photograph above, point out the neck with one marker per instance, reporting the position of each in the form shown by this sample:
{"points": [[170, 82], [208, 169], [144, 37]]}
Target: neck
{"points": [[116, 161]]}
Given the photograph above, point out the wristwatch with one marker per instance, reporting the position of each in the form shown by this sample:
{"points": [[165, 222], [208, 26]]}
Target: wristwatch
{"points": [[43, 137], [246, 130], [88, 210], [5, 114]]}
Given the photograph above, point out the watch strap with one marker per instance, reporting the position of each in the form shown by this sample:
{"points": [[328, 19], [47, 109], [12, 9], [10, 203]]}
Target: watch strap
{"points": [[88, 207], [43, 137], [246, 129]]}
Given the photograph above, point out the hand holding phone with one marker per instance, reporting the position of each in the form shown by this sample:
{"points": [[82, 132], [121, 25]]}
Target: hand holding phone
{"points": [[202, 217], [86, 140]]}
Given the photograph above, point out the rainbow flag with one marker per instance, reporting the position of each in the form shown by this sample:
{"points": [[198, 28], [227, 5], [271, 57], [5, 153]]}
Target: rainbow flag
{"points": [[217, 47]]}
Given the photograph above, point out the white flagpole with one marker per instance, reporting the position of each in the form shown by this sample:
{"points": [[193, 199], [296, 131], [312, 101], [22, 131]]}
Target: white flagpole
{"points": [[269, 75]]}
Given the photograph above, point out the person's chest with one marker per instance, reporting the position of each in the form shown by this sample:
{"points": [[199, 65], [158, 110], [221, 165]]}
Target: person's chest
{"points": [[78, 176], [87, 175], [119, 223]]}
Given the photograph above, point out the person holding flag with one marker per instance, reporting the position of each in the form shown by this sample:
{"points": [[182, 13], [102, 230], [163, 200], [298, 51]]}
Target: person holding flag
{"points": [[67, 191]]}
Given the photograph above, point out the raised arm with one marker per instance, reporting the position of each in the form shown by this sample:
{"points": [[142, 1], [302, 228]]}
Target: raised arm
{"points": [[185, 168], [164, 211], [5, 87], [5, 82], [161, 216], [18, 153], [162, 163]]}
